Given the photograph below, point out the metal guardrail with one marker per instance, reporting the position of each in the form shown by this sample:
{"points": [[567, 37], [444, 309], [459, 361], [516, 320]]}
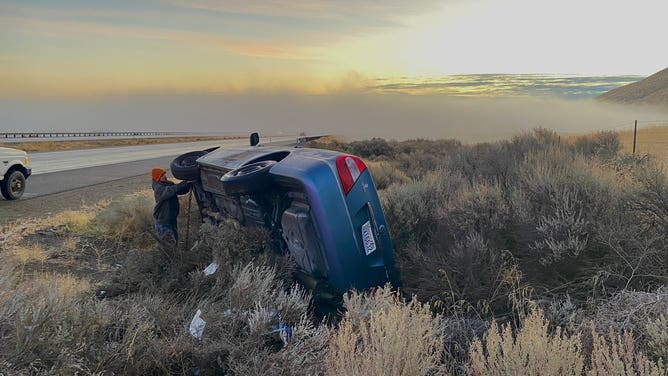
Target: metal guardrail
{"points": [[84, 134]]}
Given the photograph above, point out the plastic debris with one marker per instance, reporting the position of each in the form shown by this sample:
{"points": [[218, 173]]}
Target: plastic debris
{"points": [[211, 269], [119, 266], [282, 329], [284, 332], [197, 325]]}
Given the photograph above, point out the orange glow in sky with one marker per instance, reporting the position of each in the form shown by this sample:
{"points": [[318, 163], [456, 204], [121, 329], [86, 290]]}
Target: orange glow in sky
{"points": [[95, 47]]}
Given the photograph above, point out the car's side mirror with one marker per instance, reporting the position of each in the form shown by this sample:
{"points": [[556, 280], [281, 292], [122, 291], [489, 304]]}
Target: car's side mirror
{"points": [[254, 139]]}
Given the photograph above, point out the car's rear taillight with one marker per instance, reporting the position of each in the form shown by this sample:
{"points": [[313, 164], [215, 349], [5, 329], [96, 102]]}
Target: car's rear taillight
{"points": [[350, 168]]}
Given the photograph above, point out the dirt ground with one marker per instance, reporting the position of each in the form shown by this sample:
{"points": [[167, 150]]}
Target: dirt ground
{"points": [[47, 205]]}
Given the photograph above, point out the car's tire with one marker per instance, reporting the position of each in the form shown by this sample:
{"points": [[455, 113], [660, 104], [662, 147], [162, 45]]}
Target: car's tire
{"points": [[250, 178], [13, 185], [184, 167]]}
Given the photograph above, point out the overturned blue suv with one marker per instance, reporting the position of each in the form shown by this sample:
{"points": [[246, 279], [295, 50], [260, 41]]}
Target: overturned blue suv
{"points": [[320, 206]]}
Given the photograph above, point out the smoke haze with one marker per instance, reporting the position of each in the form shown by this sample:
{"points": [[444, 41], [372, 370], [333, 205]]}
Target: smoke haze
{"points": [[355, 116]]}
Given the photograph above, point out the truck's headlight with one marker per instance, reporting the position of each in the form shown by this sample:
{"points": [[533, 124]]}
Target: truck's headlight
{"points": [[27, 160]]}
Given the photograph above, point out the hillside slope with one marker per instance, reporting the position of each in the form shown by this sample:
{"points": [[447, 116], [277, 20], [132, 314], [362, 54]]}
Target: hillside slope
{"points": [[651, 90]]}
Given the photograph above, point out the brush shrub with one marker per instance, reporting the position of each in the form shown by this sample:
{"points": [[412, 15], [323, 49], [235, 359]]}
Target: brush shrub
{"points": [[631, 311], [228, 243], [373, 148], [481, 232], [381, 334], [413, 210], [617, 355], [129, 220], [532, 350], [657, 337], [386, 173], [477, 209], [605, 145]]}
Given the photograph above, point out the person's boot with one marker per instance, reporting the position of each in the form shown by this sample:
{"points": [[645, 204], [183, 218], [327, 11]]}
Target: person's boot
{"points": [[169, 239]]}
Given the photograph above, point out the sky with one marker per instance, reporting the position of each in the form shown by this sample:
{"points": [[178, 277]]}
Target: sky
{"points": [[83, 53]]}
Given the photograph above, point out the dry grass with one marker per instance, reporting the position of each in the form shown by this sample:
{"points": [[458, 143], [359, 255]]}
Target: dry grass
{"points": [[70, 244], [650, 140], [532, 351], [41, 146], [617, 356], [129, 219], [381, 334], [469, 239], [65, 285], [27, 254], [657, 334], [75, 221]]}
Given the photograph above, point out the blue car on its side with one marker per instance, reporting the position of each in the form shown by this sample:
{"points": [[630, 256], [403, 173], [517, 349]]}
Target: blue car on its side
{"points": [[321, 206]]}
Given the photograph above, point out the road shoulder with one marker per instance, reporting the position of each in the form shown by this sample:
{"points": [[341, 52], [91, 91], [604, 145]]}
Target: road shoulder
{"points": [[48, 205]]}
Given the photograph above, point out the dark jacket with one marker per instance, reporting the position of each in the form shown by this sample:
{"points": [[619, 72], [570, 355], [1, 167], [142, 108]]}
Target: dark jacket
{"points": [[166, 201]]}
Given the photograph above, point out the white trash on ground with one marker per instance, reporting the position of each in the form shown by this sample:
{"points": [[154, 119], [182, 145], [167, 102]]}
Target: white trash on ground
{"points": [[197, 325], [211, 269]]}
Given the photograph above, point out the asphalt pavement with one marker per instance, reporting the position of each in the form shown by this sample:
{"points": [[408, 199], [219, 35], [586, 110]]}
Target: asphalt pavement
{"points": [[61, 171], [55, 182], [56, 161]]}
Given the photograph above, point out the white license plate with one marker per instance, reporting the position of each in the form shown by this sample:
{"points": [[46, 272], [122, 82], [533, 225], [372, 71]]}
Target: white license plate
{"points": [[367, 238]]}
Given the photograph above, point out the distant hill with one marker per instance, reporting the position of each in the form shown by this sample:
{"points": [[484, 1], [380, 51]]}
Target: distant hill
{"points": [[651, 90]]}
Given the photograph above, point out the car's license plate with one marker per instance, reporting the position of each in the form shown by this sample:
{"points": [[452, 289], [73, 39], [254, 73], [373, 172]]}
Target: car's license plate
{"points": [[367, 238]]}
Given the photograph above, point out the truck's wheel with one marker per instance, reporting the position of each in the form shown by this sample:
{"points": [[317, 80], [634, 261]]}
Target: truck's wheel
{"points": [[13, 185], [252, 177], [185, 166]]}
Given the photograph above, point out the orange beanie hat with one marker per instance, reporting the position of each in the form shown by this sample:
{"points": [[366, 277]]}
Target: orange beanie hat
{"points": [[157, 173]]}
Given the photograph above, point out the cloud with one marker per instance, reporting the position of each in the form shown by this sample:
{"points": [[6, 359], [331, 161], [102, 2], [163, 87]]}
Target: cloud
{"points": [[238, 45], [314, 9], [494, 85]]}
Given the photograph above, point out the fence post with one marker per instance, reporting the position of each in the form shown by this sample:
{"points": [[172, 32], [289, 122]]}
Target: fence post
{"points": [[635, 133]]}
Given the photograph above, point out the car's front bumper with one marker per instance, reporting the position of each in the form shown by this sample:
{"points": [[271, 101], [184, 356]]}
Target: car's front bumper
{"points": [[28, 171]]}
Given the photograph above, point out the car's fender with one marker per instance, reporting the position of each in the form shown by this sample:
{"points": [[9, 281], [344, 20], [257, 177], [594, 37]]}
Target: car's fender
{"points": [[13, 159]]}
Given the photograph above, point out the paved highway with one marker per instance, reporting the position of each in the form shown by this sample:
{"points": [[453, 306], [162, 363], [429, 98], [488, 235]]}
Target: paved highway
{"points": [[61, 171], [55, 161]]}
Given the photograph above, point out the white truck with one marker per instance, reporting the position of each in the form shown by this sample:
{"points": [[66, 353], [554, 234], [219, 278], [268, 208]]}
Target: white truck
{"points": [[14, 171]]}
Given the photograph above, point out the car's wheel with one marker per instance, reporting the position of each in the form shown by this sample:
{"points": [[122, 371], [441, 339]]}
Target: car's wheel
{"points": [[185, 166], [13, 185], [252, 177]]}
